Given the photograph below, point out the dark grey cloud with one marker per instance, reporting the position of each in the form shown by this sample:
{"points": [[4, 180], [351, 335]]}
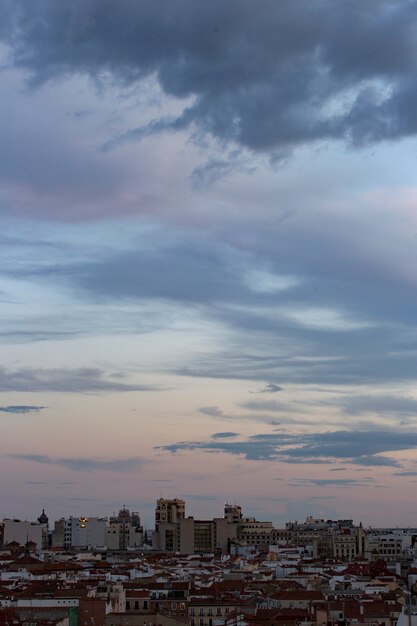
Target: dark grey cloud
{"points": [[251, 449], [81, 380], [270, 79], [83, 464], [269, 388], [355, 447], [21, 408], [225, 435], [354, 444]]}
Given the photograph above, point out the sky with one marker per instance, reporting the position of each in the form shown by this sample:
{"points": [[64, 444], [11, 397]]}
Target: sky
{"points": [[208, 243]]}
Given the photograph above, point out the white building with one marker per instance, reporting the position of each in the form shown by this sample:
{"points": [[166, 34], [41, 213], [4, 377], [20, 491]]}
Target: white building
{"points": [[81, 532], [24, 531]]}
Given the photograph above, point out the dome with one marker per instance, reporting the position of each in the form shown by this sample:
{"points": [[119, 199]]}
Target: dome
{"points": [[43, 518], [124, 513]]}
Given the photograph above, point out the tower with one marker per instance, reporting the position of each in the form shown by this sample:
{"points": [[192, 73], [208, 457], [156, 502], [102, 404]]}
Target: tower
{"points": [[169, 511]]}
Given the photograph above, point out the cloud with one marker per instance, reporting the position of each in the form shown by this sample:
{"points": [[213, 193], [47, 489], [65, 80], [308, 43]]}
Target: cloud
{"points": [[384, 404], [356, 447], [226, 435], [212, 411], [83, 464], [329, 482], [82, 380], [375, 461], [22, 408], [307, 461], [162, 271], [406, 473], [269, 388], [268, 405], [353, 444], [216, 412], [251, 450], [35, 482], [294, 73]]}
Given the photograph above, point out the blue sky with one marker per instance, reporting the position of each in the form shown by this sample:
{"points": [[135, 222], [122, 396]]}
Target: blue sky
{"points": [[208, 246]]}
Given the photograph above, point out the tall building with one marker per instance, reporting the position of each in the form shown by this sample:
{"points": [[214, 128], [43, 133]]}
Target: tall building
{"points": [[169, 511], [124, 531], [233, 513], [176, 533]]}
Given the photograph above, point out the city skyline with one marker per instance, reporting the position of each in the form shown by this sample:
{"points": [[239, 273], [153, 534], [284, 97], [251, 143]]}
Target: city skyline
{"points": [[208, 228]]}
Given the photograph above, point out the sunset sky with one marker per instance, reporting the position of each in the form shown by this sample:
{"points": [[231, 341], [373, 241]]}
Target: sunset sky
{"points": [[208, 277]]}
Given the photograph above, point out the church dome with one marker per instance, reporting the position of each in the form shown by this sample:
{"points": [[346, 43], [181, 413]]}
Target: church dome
{"points": [[43, 518]]}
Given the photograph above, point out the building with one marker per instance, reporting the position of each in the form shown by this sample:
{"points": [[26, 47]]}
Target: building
{"points": [[167, 515], [23, 532], [79, 532], [233, 513], [169, 511], [124, 531]]}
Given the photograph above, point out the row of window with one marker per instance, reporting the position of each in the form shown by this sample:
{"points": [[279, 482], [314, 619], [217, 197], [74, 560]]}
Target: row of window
{"points": [[201, 611], [136, 606]]}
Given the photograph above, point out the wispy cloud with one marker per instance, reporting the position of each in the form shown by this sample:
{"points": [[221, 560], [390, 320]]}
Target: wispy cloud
{"points": [[407, 473], [383, 404], [269, 388], [82, 380], [225, 435], [269, 405], [83, 464], [21, 408], [212, 411], [329, 482]]}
